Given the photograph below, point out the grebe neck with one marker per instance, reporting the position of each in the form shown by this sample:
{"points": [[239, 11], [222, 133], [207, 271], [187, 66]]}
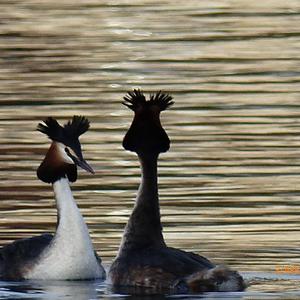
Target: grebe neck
{"points": [[68, 215], [70, 254], [144, 228]]}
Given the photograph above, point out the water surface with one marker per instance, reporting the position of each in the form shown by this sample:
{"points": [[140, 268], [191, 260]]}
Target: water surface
{"points": [[229, 186]]}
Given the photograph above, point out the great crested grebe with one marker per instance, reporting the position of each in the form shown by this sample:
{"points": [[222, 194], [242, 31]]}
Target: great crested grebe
{"points": [[144, 262], [69, 254]]}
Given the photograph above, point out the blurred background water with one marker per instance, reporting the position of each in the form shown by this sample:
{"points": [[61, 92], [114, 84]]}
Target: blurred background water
{"points": [[229, 186]]}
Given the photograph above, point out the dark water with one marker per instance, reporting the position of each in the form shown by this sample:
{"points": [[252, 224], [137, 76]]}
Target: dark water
{"points": [[229, 185]]}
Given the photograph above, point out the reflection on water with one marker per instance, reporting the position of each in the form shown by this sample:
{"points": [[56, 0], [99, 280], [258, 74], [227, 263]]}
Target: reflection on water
{"points": [[229, 184], [81, 290], [264, 286]]}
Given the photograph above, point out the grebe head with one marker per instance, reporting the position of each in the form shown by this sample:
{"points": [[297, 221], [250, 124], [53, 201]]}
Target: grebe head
{"points": [[146, 134], [65, 151]]}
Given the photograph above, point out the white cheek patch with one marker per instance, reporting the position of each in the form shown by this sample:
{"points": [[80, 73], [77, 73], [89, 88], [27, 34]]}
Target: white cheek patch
{"points": [[63, 153], [72, 152]]}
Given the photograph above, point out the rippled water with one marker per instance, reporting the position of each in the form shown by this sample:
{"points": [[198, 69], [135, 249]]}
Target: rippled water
{"points": [[229, 185]]}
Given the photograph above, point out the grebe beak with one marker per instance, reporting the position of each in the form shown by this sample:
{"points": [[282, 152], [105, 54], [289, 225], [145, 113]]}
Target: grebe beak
{"points": [[85, 166], [79, 160]]}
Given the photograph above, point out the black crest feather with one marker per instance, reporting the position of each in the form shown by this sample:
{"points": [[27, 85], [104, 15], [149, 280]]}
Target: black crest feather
{"points": [[51, 128], [78, 126], [162, 100], [68, 134], [135, 99]]}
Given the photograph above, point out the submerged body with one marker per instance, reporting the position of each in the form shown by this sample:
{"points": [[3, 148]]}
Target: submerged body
{"points": [[69, 254], [144, 261]]}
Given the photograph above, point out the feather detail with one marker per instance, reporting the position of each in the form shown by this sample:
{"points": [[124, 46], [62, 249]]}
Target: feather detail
{"points": [[51, 128], [218, 279], [71, 130], [78, 126], [164, 101], [135, 100]]}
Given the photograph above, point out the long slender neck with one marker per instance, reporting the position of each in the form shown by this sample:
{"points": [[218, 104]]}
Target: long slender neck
{"points": [[144, 227], [69, 216], [70, 254]]}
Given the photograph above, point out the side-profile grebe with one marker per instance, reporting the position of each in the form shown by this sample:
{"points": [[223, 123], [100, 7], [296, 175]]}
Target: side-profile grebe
{"points": [[144, 261], [69, 254]]}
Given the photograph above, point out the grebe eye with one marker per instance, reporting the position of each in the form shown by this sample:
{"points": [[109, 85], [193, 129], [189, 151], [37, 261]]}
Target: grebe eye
{"points": [[67, 150], [70, 153]]}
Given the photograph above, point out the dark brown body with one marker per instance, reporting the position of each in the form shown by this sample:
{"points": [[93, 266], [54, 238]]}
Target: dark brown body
{"points": [[157, 269]]}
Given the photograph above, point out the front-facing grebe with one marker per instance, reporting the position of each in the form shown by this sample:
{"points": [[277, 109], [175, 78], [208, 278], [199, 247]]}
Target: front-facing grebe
{"points": [[69, 254], [144, 261]]}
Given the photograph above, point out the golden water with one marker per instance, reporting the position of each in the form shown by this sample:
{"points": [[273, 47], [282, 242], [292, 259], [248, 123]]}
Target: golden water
{"points": [[229, 186]]}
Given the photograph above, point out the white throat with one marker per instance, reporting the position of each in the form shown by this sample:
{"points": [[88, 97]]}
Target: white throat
{"points": [[70, 254]]}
